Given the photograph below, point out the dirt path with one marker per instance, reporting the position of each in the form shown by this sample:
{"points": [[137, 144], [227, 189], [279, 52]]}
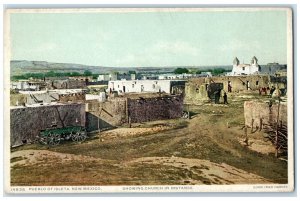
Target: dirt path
{"points": [[193, 171], [38, 157], [205, 172]]}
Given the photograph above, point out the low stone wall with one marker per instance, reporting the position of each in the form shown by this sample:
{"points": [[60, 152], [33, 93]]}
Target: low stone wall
{"points": [[158, 108], [256, 111], [27, 122]]}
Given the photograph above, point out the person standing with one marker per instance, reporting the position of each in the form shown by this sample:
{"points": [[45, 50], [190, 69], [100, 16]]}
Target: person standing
{"points": [[225, 98]]}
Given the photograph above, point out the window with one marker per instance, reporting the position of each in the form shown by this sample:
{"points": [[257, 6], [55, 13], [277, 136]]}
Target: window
{"points": [[118, 86], [197, 90], [256, 82], [243, 68], [132, 85], [153, 86]]}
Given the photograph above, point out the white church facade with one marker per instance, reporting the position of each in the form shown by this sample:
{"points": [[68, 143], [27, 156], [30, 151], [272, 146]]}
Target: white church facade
{"points": [[245, 69]]}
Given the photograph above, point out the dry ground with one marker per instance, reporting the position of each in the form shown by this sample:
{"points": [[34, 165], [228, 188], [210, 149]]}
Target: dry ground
{"points": [[207, 149]]}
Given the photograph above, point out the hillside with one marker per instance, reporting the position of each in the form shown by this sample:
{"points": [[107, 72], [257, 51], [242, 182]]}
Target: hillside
{"points": [[19, 67]]}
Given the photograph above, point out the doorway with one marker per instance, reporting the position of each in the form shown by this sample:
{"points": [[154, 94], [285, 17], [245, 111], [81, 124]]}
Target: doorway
{"points": [[248, 85]]}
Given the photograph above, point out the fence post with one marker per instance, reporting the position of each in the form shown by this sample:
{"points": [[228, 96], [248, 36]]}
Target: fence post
{"points": [[260, 124], [246, 134]]}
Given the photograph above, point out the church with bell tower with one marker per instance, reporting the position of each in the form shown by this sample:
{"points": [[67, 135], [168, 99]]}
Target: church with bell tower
{"points": [[245, 69]]}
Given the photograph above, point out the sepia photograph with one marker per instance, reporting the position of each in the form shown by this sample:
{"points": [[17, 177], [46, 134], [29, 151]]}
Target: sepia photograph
{"points": [[148, 100]]}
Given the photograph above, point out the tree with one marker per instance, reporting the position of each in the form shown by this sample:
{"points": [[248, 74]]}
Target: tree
{"points": [[131, 72], [50, 74], [75, 74], [181, 70], [198, 72], [87, 73]]}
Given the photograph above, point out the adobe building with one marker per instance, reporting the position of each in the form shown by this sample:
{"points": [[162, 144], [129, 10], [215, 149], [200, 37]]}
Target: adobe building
{"points": [[65, 84], [140, 86], [197, 89], [137, 108], [28, 98], [27, 85], [82, 78], [245, 69], [108, 77], [27, 122]]}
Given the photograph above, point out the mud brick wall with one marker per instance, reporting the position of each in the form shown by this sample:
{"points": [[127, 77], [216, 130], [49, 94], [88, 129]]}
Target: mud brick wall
{"points": [[65, 84], [110, 113], [195, 92], [76, 97], [239, 83], [41, 98], [17, 99], [76, 84], [195, 89], [151, 109], [260, 110], [27, 122]]}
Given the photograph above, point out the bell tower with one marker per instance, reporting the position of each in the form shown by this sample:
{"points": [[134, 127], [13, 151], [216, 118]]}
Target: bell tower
{"points": [[254, 61], [236, 61]]}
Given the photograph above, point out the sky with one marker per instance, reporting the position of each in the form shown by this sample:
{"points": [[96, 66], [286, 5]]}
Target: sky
{"points": [[137, 39]]}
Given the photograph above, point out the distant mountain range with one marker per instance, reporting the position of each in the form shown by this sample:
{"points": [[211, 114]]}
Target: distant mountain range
{"points": [[19, 67]]}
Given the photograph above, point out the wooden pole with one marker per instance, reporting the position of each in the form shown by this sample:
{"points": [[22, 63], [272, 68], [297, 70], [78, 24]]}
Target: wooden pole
{"points": [[98, 118], [246, 138], [260, 124]]}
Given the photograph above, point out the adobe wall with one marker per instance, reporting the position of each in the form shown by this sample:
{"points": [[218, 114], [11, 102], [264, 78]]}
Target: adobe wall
{"points": [[195, 89], [27, 122], [17, 99], [239, 83], [257, 110], [158, 108], [195, 92], [76, 97], [65, 84], [110, 113], [41, 98]]}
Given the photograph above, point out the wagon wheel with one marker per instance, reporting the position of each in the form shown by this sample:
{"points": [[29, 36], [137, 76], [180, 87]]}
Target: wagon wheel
{"points": [[42, 141], [53, 139], [79, 136]]}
